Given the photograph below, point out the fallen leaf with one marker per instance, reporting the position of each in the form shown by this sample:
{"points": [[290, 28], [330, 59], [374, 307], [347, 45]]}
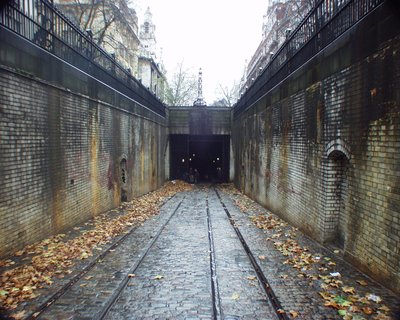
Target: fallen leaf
{"points": [[355, 309], [367, 310], [331, 304], [27, 289], [363, 300], [362, 282], [325, 295], [261, 257], [3, 293], [18, 315], [252, 278], [293, 314], [280, 311], [235, 296], [350, 290], [158, 277], [380, 316], [335, 283], [84, 255], [384, 308], [88, 277], [342, 301], [342, 312]]}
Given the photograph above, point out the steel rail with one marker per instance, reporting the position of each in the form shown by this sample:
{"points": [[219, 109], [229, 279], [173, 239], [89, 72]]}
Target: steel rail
{"points": [[216, 299], [59, 293], [269, 292], [114, 297]]}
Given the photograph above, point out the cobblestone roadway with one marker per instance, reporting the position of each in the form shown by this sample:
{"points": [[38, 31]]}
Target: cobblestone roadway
{"points": [[294, 291], [85, 299], [174, 279], [181, 257]]}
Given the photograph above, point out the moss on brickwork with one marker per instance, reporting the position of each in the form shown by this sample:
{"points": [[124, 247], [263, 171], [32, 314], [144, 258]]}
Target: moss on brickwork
{"points": [[63, 135], [330, 149]]}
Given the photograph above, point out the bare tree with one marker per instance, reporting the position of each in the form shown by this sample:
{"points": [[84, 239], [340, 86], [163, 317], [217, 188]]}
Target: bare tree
{"points": [[99, 15], [228, 94], [113, 25], [182, 88]]}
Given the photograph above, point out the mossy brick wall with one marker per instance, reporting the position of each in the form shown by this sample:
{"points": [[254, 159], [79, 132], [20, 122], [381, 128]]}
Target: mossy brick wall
{"points": [[322, 150], [66, 141]]}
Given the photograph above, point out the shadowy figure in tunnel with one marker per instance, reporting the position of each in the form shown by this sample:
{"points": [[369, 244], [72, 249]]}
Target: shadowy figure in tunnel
{"points": [[219, 174], [191, 175]]}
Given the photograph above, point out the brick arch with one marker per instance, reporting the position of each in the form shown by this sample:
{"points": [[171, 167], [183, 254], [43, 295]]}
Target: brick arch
{"points": [[336, 147], [335, 192]]}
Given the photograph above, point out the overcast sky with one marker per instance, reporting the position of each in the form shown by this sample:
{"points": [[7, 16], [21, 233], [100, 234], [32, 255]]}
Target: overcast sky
{"points": [[216, 35]]}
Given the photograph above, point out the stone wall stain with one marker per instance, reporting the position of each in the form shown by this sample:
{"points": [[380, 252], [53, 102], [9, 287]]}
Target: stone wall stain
{"points": [[348, 199], [94, 160], [56, 161], [61, 146]]}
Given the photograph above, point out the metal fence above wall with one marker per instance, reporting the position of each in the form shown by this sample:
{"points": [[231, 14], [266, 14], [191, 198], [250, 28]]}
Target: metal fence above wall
{"points": [[324, 23], [42, 23]]}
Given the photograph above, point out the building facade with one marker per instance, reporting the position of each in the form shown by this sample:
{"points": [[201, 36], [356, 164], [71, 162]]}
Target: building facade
{"points": [[281, 18], [151, 71], [112, 24]]}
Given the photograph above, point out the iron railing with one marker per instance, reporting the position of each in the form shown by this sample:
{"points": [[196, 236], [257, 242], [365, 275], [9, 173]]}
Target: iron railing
{"points": [[42, 23], [323, 24]]}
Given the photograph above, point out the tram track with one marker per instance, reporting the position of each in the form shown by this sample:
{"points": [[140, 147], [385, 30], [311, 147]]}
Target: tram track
{"points": [[262, 279], [217, 308], [125, 281], [216, 299], [46, 305]]}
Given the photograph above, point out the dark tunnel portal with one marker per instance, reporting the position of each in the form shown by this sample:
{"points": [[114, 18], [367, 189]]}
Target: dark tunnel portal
{"points": [[208, 154]]}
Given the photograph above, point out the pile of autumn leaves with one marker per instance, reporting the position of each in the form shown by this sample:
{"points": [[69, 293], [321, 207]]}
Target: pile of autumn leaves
{"points": [[53, 257], [314, 267]]}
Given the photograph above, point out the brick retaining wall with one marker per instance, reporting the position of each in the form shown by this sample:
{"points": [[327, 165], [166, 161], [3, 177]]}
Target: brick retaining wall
{"points": [[70, 146], [322, 149]]}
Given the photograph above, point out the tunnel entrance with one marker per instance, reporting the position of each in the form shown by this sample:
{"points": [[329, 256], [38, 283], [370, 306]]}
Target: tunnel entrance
{"points": [[208, 154]]}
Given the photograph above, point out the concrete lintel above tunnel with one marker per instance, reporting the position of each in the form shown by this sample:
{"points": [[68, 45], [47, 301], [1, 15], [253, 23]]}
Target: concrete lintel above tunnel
{"points": [[200, 121]]}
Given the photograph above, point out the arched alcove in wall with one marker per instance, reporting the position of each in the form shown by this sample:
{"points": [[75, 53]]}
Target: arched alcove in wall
{"points": [[336, 178], [337, 192]]}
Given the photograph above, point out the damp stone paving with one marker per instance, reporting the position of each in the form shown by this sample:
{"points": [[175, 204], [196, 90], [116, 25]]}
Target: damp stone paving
{"points": [[188, 262]]}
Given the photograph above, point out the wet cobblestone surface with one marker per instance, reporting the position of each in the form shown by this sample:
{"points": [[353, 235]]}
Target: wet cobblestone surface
{"points": [[86, 298], [174, 279], [294, 289], [240, 293], [167, 263]]}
